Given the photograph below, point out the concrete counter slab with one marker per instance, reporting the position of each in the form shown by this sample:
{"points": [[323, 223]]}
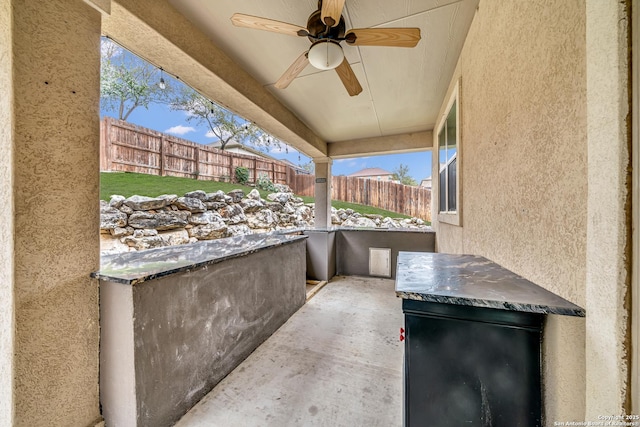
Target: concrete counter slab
{"points": [[474, 281], [136, 267]]}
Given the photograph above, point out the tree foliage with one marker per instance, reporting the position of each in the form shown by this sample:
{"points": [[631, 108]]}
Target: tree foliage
{"points": [[128, 82], [223, 124], [401, 173], [308, 167]]}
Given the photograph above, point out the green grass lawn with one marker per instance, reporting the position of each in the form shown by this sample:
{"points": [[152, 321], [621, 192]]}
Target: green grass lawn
{"points": [[127, 184]]}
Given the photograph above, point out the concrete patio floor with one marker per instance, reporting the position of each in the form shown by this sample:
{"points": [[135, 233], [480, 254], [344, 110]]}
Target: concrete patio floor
{"points": [[336, 362]]}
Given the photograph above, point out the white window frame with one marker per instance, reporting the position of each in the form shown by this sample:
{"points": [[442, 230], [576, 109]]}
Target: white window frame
{"points": [[450, 217]]}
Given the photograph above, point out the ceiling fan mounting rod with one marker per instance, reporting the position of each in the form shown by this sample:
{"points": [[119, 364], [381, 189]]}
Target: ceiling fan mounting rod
{"points": [[322, 37]]}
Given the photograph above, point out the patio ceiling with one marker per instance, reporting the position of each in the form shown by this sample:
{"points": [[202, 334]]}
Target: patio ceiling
{"points": [[403, 88]]}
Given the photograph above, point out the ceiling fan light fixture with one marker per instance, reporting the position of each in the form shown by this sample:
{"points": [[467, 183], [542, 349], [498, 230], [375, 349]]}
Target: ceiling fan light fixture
{"points": [[325, 55]]}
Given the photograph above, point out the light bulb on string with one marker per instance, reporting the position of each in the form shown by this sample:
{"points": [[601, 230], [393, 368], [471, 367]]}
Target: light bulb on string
{"points": [[162, 85], [211, 107]]}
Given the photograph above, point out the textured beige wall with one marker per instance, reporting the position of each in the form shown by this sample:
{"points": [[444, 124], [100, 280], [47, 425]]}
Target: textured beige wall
{"points": [[607, 240], [6, 219], [524, 164], [56, 154]]}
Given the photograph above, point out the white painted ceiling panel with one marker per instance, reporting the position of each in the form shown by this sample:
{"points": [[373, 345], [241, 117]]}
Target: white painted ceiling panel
{"points": [[403, 88], [371, 13], [400, 107], [347, 118]]}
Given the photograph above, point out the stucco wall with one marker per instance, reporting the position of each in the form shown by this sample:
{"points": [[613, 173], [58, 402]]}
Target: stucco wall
{"points": [[6, 218], [607, 298], [522, 77], [56, 160]]}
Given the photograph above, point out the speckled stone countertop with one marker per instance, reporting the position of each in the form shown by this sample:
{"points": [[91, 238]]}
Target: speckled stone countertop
{"points": [[474, 281], [376, 229], [136, 267]]}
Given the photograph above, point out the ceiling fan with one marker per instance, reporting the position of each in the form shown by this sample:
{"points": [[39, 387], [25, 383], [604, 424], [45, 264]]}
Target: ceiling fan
{"points": [[326, 30]]}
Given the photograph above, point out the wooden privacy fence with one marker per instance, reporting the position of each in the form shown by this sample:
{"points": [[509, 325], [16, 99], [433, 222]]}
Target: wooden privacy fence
{"points": [[129, 148], [409, 200]]}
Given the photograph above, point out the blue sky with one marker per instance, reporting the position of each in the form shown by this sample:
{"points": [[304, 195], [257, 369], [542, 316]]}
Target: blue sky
{"points": [[160, 118]]}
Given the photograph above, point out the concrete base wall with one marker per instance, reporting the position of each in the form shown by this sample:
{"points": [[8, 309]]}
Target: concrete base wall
{"points": [[321, 254], [353, 248], [189, 330]]}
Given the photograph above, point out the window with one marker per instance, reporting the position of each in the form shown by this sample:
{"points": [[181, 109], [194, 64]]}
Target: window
{"points": [[448, 161]]}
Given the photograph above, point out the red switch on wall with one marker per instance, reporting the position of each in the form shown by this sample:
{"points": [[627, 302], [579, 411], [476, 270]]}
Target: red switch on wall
{"points": [[401, 334]]}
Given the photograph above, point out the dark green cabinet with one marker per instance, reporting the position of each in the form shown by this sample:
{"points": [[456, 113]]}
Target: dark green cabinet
{"points": [[471, 366]]}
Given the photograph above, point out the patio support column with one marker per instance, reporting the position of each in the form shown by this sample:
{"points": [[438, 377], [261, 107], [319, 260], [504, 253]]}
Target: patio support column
{"points": [[49, 223], [7, 321], [323, 192], [607, 294]]}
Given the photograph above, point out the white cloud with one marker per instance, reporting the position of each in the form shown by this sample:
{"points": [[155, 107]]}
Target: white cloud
{"points": [[210, 134], [180, 130], [281, 149]]}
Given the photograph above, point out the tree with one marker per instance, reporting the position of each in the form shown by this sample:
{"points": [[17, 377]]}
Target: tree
{"points": [[309, 166], [128, 82], [401, 173], [223, 124]]}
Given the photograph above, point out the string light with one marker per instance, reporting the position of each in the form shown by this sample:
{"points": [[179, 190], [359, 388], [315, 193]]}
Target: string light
{"points": [[211, 107], [162, 84]]}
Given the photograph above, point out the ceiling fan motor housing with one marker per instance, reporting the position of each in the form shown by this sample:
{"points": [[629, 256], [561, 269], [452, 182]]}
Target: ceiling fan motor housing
{"points": [[319, 30]]}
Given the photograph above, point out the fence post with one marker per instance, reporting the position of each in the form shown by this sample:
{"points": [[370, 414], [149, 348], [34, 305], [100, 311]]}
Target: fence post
{"points": [[255, 170], [103, 143], [110, 144], [161, 154], [286, 176], [196, 172]]}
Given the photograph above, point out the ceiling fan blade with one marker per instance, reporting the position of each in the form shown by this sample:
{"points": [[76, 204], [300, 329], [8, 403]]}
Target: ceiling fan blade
{"points": [[331, 12], [348, 77], [293, 71], [396, 37], [258, 23]]}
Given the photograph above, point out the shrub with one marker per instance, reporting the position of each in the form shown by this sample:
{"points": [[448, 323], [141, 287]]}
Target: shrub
{"points": [[242, 175], [264, 183]]}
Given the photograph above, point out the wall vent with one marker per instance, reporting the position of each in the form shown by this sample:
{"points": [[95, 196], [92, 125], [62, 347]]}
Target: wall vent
{"points": [[380, 262]]}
